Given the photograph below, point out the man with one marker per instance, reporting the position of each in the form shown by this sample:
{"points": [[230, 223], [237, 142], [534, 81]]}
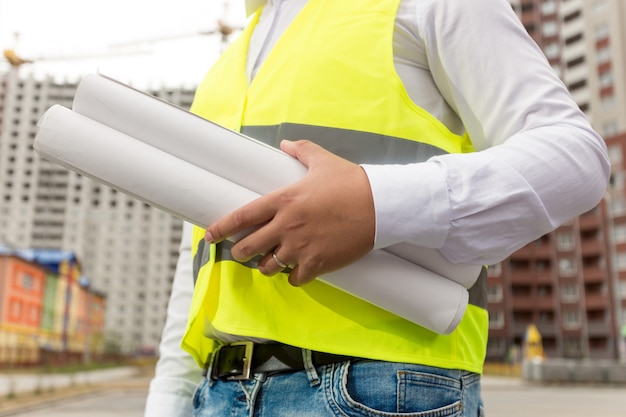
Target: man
{"points": [[435, 122]]}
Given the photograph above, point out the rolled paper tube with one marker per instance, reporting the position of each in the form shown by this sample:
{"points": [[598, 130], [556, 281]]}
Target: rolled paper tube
{"points": [[200, 197], [240, 159]]}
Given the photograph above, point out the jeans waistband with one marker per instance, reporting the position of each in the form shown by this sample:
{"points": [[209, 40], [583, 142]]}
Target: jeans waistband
{"points": [[241, 360]]}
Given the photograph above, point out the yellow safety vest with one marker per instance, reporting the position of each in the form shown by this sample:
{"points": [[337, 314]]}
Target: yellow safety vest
{"points": [[331, 79]]}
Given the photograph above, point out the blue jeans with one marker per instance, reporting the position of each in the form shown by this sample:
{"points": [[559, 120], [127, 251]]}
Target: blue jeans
{"points": [[358, 388]]}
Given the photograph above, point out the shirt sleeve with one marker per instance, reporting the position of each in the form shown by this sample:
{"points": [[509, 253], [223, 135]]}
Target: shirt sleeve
{"points": [[538, 161], [176, 373]]}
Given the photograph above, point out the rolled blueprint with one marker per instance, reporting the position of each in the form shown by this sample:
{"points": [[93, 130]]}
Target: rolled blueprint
{"points": [[135, 168], [201, 197], [240, 159]]}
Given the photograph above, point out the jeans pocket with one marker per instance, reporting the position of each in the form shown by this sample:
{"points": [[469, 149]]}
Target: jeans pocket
{"points": [[371, 390], [199, 396]]}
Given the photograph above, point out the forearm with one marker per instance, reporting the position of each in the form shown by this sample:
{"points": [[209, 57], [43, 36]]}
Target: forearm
{"points": [[480, 207], [176, 374]]}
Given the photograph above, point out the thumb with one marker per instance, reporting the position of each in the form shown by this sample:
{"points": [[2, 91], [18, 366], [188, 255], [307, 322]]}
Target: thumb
{"points": [[304, 151]]}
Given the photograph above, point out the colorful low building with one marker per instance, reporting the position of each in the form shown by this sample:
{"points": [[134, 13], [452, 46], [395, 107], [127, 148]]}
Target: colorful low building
{"points": [[22, 284], [47, 308]]}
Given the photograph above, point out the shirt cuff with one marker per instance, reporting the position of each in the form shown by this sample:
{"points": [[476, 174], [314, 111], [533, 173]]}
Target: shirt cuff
{"points": [[411, 203]]}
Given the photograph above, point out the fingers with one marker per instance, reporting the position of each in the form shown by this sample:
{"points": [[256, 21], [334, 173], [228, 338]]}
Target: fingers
{"points": [[305, 224], [264, 208], [271, 264], [246, 217]]}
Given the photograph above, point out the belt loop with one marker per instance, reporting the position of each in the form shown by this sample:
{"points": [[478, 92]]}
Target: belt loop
{"points": [[208, 371], [309, 367]]}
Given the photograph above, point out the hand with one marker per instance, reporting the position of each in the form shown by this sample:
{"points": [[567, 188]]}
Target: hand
{"points": [[319, 224]]}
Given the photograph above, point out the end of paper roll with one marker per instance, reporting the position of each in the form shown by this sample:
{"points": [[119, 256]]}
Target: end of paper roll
{"points": [[50, 113], [459, 313]]}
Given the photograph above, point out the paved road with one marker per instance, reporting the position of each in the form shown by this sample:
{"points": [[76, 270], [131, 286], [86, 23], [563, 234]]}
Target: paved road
{"points": [[503, 397], [107, 403]]}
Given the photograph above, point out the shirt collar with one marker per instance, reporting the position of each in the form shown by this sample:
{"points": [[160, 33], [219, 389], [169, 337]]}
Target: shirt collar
{"points": [[253, 5]]}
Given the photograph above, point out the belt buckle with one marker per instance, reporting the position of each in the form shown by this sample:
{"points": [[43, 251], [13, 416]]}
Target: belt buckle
{"points": [[232, 374]]}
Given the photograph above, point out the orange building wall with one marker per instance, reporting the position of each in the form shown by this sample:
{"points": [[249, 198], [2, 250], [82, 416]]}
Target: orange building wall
{"points": [[74, 315], [22, 289]]}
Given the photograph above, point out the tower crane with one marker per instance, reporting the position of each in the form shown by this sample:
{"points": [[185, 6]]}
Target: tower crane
{"points": [[135, 47]]}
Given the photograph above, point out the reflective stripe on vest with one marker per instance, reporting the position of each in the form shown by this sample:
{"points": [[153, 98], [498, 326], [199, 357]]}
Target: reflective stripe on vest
{"points": [[356, 146], [477, 295], [337, 88]]}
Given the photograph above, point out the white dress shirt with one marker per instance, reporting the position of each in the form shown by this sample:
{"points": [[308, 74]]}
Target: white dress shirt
{"points": [[472, 66]]}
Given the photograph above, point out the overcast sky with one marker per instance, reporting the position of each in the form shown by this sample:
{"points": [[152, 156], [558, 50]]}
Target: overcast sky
{"points": [[53, 29]]}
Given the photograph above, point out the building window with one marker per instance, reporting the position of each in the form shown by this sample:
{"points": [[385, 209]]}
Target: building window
{"points": [[546, 317], [603, 55], [27, 282], [609, 129], [599, 8], [15, 310], [552, 50], [567, 267], [548, 7], [606, 79], [494, 293], [571, 320], [544, 291], [573, 39], [494, 270], [550, 28], [565, 241], [619, 233], [569, 293], [622, 292], [578, 84], [496, 319], [621, 261], [607, 101], [618, 206], [601, 31], [34, 314], [572, 16], [542, 265], [572, 346]]}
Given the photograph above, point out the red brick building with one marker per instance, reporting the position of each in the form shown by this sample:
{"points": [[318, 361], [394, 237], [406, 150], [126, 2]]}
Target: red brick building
{"points": [[571, 283]]}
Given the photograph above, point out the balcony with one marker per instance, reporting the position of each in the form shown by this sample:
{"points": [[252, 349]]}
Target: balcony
{"points": [[533, 250], [592, 247], [594, 274], [589, 221], [543, 277], [597, 302], [532, 303], [523, 303], [547, 329], [522, 276], [597, 328], [519, 328], [527, 276]]}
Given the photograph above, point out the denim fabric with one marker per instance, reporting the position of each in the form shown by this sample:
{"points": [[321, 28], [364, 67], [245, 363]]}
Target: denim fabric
{"points": [[361, 388]]}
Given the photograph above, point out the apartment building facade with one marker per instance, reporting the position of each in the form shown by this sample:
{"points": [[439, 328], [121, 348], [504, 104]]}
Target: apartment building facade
{"points": [[128, 248], [570, 283], [584, 41]]}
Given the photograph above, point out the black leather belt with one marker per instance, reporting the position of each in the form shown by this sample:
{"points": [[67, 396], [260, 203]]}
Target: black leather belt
{"points": [[241, 360]]}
